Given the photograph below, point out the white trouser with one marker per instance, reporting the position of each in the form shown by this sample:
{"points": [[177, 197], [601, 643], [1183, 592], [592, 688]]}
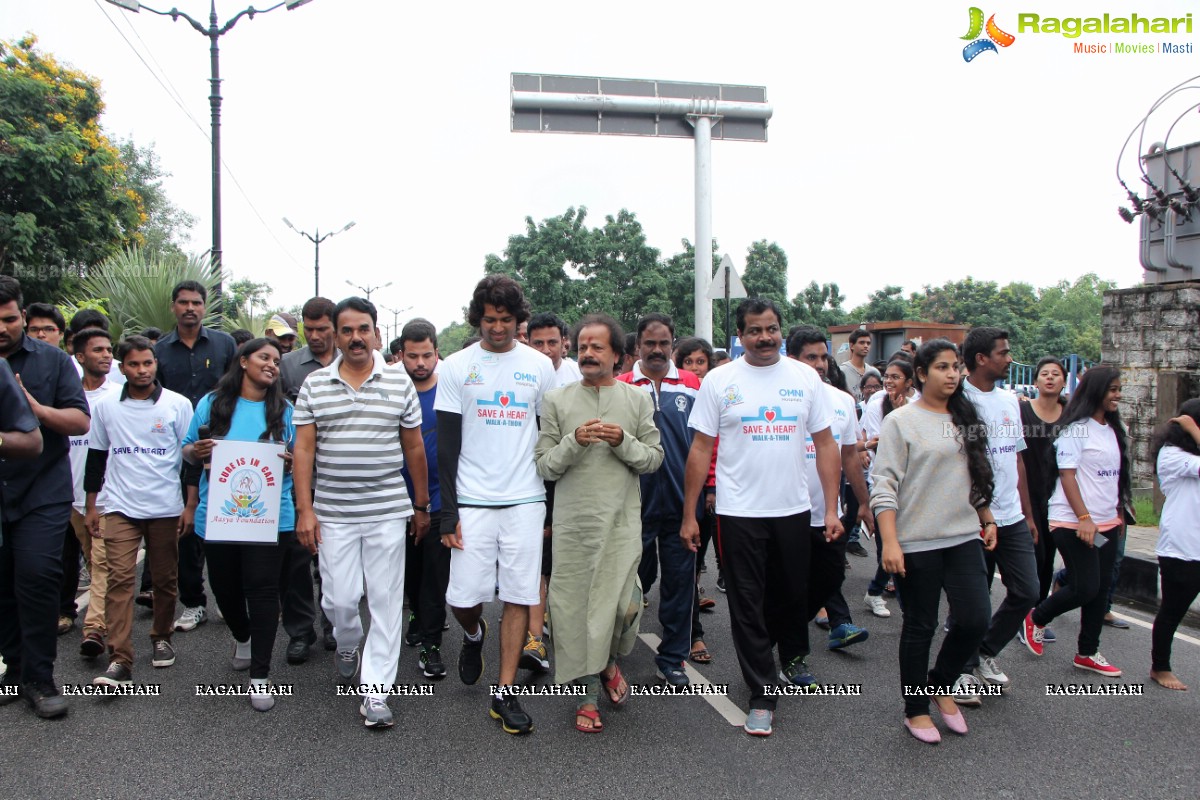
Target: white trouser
{"points": [[351, 553]]}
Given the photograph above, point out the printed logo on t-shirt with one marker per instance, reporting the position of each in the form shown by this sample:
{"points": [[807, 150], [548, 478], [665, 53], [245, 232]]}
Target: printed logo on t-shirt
{"points": [[1108, 473], [159, 427], [502, 409], [732, 396], [770, 425], [474, 375], [681, 403], [527, 379]]}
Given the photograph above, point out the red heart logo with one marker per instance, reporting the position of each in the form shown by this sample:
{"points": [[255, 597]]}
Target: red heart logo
{"points": [[770, 415], [504, 400]]}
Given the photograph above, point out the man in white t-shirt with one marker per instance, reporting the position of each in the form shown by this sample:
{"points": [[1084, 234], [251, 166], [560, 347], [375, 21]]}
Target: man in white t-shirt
{"points": [[827, 568], [987, 356], [94, 354], [135, 451], [493, 502], [763, 407]]}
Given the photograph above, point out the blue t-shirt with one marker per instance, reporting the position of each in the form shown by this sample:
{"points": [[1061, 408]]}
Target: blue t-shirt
{"points": [[249, 423], [429, 433]]}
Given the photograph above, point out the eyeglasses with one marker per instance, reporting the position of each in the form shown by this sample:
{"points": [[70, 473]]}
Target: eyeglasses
{"points": [[35, 329]]}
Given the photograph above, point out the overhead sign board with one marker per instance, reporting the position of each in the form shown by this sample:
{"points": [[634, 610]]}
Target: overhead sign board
{"points": [[623, 107]]}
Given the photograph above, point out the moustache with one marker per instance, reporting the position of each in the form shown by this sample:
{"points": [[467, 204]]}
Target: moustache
{"points": [[589, 362]]}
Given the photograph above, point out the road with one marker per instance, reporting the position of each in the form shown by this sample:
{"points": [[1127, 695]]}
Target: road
{"points": [[1022, 745]]}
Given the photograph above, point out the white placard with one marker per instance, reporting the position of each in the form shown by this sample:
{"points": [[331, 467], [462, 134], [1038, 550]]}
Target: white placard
{"points": [[245, 487]]}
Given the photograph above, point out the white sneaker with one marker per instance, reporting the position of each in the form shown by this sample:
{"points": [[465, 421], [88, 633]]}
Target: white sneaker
{"points": [[261, 698], [966, 691], [191, 618], [989, 672], [877, 605]]}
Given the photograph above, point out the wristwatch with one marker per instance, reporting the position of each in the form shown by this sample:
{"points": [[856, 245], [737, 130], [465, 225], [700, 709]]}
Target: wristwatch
{"points": [[427, 508]]}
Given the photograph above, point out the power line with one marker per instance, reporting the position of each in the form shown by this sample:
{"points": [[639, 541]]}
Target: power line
{"points": [[177, 99]]}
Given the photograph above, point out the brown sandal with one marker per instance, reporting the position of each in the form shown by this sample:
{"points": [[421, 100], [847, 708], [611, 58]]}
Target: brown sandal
{"points": [[700, 655]]}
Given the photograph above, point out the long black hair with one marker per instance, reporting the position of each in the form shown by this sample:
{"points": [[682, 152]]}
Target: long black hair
{"points": [[1172, 433], [1089, 396], [229, 389], [904, 366], [969, 429]]}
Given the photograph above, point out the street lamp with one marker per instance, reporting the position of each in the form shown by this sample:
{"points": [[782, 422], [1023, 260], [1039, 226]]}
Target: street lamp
{"points": [[316, 239], [368, 289], [213, 32], [395, 316]]}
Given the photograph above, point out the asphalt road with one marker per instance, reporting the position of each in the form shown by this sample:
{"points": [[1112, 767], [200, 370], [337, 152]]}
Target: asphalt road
{"points": [[1022, 745]]}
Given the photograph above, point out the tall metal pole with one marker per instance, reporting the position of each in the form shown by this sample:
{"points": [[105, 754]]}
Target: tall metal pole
{"points": [[317, 266], [704, 267], [214, 101]]}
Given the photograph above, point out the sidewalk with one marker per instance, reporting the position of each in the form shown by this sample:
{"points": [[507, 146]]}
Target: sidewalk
{"points": [[1139, 570]]}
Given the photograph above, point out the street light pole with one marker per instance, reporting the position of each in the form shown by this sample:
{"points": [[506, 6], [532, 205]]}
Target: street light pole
{"points": [[214, 33], [368, 289], [316, 239]]}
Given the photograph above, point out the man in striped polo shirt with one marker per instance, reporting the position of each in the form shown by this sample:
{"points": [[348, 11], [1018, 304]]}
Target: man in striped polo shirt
{"points": [[358, 422]]}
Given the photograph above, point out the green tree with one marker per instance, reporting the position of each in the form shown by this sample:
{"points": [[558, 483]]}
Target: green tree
{"points": [[765, 275], [624, 278], [540, 259], [680, 272], [165, 227], [137, 289], [883, 305], [451, 337], [66, 202], [819, 305]]}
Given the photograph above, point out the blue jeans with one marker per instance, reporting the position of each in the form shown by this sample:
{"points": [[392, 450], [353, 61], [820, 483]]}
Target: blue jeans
{"points": [[662, 546]]}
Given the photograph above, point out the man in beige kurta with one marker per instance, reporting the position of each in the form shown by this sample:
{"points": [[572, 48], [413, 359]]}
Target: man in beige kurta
{"points": [[597, 437]]}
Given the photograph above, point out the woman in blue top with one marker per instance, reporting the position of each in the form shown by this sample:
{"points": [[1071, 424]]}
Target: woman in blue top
{"points": [[247, 404]]}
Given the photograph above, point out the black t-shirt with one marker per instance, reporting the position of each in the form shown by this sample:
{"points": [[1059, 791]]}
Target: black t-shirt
{"points": [[1041, 464]]}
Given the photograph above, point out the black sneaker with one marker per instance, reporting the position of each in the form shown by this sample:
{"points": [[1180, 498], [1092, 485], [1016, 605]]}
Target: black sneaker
{"points": [[470, 658], [431, 664], [164, 654], [856, 549], [513, 718], [116, 675], [10, 687], [412, 637], [45, 699], [92, 645], [721, 583]]}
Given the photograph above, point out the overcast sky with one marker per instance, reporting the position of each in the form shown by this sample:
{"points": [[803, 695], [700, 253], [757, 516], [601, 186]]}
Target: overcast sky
{"points": [[889, 160]]}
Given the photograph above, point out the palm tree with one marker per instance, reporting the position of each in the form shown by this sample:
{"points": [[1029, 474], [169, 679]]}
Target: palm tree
{"points": [[137, 288]]}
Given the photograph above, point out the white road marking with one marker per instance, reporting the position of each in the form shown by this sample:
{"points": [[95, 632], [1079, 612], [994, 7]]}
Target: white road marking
{"points": [[1149, 626], [723, 705]]}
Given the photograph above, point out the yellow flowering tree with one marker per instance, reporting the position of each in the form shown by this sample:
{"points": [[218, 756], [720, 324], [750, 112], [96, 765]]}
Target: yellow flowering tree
{"points": [[66, 202]]}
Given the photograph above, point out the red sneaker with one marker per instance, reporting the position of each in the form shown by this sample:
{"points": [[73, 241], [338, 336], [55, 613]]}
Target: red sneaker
{"points": [[1097, 663], [1031, 635]]}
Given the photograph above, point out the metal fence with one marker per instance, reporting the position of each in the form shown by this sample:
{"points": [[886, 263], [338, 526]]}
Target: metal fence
{"points": [[1021, 377]]}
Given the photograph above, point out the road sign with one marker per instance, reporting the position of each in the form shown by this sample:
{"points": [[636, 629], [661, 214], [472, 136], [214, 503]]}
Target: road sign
{"points": [[716, 289]]}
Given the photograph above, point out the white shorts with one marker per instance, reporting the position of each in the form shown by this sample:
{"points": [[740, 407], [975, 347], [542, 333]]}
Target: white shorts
{"points": [[500, 545]]}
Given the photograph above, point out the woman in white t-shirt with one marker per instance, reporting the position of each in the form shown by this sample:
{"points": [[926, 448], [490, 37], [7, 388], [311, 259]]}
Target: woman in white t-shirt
{"points": [[1086, 513], [1176, 452]]}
